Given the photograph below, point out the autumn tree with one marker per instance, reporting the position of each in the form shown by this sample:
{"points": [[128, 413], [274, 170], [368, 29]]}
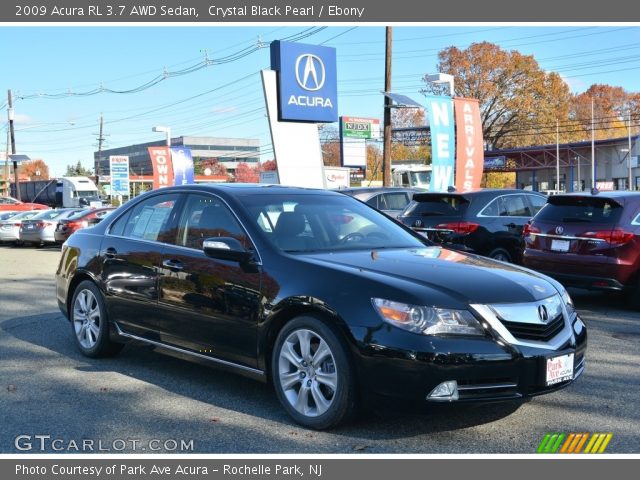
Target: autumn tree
{"points": [[330, 144], [269, 165], [215, 167], [35, 170], [246, 173], [611, 107], [374, 163], [519, 102]]}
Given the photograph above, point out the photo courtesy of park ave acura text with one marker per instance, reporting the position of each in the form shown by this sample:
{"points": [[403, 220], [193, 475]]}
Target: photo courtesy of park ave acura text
{"points": [[327, 237]]}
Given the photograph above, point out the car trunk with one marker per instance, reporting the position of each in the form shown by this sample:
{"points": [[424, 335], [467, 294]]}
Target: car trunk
{"points": [[438, 215], [583, 225]]}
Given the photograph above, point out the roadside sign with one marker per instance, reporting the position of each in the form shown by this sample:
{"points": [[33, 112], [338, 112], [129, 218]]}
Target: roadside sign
{"points": [[119, 169]]}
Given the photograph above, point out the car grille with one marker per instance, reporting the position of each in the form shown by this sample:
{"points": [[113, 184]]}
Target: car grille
{"points": [[538, 332]]}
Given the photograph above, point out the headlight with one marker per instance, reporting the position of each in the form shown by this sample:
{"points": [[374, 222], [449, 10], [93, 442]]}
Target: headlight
{"points": [[568, 303], [427, 320]]}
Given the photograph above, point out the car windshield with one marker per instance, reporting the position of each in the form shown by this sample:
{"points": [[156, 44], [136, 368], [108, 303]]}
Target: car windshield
{"points": [[580, 209], [24, 215], [49, 214], [307, 222], [429, 204]]}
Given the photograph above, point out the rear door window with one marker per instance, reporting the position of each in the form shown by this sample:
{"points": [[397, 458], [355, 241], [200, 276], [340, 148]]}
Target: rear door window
{"points": [[507, 206], [580, 209], [393, 201], [537, 202], [149, 220]]}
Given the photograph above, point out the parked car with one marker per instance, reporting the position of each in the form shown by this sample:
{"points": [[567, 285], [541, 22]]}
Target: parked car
{"points": [[588, 241], [258, 280], [40, 229], [83, 219], [9, 203], [487, 222], [8, 214], [389, 200], [10, 228]]}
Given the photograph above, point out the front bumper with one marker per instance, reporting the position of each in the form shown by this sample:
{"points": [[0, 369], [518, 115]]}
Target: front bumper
{"points": [[399, 365]]}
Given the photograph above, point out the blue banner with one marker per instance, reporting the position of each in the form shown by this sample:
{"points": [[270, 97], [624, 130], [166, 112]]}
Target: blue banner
{"points": [[307, 81], [182, 165], [443, 150]]}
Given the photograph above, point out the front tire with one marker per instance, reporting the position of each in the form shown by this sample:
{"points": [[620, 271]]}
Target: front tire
{"points": [[312, 374], [89, 322]]}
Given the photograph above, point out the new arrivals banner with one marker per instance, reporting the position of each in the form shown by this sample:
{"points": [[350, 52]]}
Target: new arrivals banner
{"points": [[470, 161], [182, 165], [440, 111], [162, 166]]}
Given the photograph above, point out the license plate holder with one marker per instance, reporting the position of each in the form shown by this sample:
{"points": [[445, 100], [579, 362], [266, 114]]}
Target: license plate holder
{"points": [[560, 245], [559, 368]]}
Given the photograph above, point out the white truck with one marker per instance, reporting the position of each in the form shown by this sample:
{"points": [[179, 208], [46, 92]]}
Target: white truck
{"points": [[416, 175], [62, 192]]}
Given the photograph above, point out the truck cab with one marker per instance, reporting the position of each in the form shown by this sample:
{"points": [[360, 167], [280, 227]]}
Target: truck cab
{"points": [[78, 192], [415, 176]]}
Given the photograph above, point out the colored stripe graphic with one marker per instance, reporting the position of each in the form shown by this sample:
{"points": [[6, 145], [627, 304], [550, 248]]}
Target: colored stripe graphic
{"points": [[574, 442]]}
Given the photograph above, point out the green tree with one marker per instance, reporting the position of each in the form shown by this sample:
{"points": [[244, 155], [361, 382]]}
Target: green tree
{"points": [[78, 170]]}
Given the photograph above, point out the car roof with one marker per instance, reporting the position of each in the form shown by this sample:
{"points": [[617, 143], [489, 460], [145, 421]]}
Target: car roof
{"points": [[483, 192], [250, 189], [607, 193]]}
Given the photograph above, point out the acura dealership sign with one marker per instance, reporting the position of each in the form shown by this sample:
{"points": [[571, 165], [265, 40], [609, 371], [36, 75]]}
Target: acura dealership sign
{"points": [[307, 83]]}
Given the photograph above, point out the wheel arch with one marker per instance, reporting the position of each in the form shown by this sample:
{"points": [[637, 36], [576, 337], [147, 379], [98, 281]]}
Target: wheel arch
{"points": [[78, 278], [294, 307]]}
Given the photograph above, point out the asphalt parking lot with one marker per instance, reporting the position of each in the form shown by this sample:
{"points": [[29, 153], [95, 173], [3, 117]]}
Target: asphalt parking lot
{"points": [[48, 388]]}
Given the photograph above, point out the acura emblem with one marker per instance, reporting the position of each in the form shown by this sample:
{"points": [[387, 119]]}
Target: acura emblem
{"points": [[542, 313], [310, 72], [559, 229]]}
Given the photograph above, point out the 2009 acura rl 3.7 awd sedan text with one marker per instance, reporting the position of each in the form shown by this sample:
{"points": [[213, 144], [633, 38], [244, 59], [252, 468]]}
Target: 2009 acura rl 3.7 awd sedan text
{"points": [[321, 295]]}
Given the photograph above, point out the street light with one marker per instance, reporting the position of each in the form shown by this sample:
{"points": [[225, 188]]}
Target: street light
{"points": [[441, 78], [165, 130]]}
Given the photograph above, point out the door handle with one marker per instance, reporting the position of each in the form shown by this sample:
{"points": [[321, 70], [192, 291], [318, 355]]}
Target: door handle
{"points": [[173, 265], [110, 252], [510, 225]]}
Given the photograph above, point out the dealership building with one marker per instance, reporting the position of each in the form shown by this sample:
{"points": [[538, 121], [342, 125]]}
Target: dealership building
{"points": [[536, 166], [228, 151]]}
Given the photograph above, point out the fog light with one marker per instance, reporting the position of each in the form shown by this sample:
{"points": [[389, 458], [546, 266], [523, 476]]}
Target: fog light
{"points": [[445, 392]]}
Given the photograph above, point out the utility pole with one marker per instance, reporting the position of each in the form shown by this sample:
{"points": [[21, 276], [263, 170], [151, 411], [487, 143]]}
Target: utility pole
{"points": [[593, 149], [101, 139], [630, 186], [13, 142], [7, 190], [386, 150]]}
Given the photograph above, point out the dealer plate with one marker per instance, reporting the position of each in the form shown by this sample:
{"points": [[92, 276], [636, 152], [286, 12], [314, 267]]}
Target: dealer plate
{"points": [[559, 369], [560, 245]]}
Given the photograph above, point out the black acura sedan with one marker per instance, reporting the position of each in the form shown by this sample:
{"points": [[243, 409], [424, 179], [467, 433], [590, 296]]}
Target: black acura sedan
{"points": [[320, 294]]}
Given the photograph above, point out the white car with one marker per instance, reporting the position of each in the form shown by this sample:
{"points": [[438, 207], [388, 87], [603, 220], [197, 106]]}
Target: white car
{"points": [[10, 228]]}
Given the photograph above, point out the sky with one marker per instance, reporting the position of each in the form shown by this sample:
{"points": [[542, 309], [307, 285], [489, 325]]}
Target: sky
{"points": [[51, 70]]}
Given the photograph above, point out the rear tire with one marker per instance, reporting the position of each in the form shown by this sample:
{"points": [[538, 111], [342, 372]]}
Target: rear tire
{"points": [[312, 374], [89, 322], [500, 254]]}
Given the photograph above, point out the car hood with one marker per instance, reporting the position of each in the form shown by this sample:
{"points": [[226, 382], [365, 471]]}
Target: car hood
{"points": [[466, 278]]}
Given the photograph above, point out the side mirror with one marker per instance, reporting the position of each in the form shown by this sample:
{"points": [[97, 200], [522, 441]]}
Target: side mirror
{"points": [[225, 248]]}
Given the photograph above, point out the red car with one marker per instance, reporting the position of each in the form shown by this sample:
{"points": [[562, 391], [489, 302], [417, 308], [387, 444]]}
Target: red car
{"points": [[83, 219], [9, 203], [588, 241]]}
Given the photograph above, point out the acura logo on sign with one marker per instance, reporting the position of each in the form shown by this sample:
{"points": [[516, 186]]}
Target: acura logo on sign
{"points": [[310, 72], [559, 229], [543, 314]]}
